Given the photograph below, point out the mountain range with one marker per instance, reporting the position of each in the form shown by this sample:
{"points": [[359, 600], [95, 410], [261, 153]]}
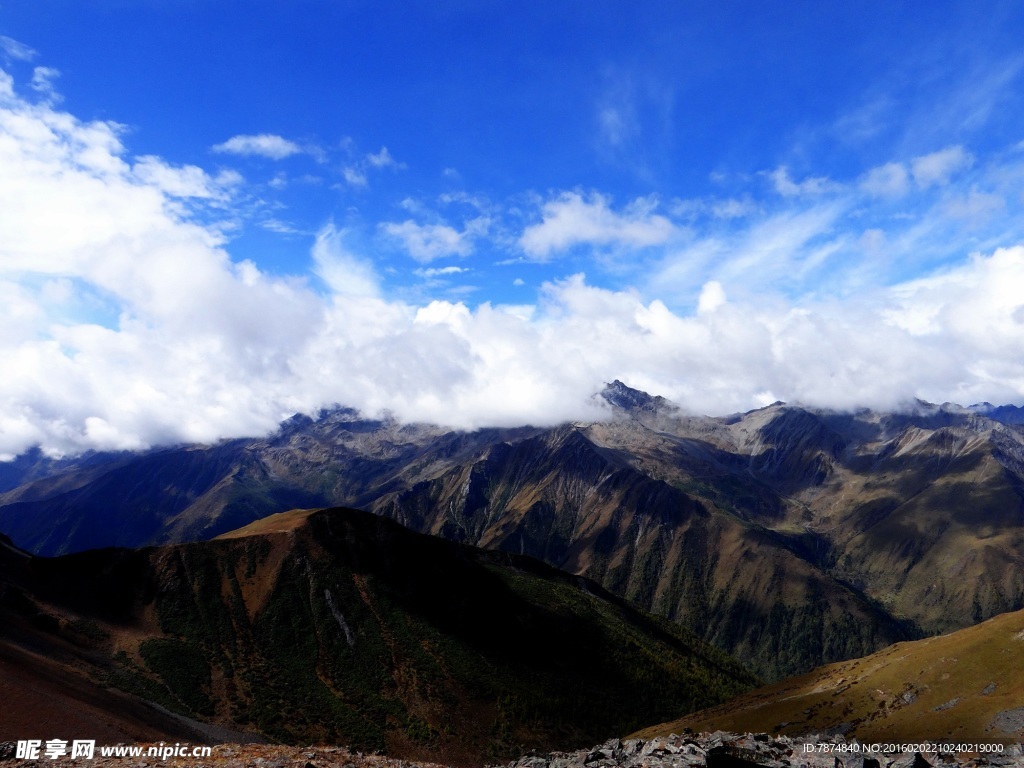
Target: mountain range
{"points": [[790, 537]]}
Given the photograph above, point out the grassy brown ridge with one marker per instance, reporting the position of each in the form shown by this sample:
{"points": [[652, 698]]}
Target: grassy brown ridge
{"points": [[962, 687]]}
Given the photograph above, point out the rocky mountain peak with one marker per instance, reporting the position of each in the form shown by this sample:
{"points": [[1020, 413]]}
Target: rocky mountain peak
{"points": [[622, 396]]}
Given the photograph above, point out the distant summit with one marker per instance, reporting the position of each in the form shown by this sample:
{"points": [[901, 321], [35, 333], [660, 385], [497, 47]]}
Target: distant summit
{"points": [[625, 397], [1006, 414]]}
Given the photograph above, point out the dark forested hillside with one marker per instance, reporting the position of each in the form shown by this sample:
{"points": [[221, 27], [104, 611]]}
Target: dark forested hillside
{"points": [[337, 626]]}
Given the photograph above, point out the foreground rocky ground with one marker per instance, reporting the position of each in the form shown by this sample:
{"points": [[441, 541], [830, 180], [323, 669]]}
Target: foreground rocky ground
{"points": [[714, 750], [730, 750]]}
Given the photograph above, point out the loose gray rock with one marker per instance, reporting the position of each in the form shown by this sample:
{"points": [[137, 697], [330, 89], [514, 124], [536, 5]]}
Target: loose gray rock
{"points": [[1010, 721]]}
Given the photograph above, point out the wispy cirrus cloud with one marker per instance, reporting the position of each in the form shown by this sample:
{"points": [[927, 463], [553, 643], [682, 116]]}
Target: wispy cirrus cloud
{"points": [[633, 120], [822, 236], [344, 272], [433, 272], [11, 49]]}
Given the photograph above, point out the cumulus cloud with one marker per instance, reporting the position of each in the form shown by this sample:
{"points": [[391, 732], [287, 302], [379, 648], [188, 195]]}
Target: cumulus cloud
{"points": [[937, 168], [120, 303], [383, 159], [184, 181], [354, 176], [572, 219], [712, 296], [889, 180], [266, 145], [355, 173], [126, 322], [786, 187], [893, 179], [43, 82], [427, 242]]}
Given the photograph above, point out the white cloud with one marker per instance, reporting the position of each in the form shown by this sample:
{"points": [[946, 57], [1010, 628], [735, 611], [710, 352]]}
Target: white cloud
{"points": [[42, 82], [937, 168], [439, 271], [616, 126], [786, 187], [280, 227], [125, 321], [889, 180], [383, 159], [572, 219], [732, 208], [975, 206], [356, 172], [725, 209], [712, 296], [263, 145], [617, 112], [12, 49], [354, 176], [122, 310], [427, 242], [184, 181], [6, 85], [343, 272], [781, 251]]}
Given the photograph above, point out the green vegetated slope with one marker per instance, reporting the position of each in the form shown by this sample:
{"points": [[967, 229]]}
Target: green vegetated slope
{"points": [[964, 687], [338, 626]]}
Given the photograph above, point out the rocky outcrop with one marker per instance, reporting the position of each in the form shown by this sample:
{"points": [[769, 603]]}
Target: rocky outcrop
{"points": [[715, 750], [730, 750]]}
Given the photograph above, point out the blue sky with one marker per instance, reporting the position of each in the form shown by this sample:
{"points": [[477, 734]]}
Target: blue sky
{"points": [[478, 213]]}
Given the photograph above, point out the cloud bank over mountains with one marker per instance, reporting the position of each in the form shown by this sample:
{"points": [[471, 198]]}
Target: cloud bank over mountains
{"points": [[126, 322]]}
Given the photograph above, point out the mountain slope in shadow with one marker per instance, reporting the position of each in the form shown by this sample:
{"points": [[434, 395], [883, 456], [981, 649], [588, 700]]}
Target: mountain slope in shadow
{"points": [[337, 626]]}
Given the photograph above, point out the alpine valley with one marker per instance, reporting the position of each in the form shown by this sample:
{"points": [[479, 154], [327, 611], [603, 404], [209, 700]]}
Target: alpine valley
{"points": [[787, 537]]}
